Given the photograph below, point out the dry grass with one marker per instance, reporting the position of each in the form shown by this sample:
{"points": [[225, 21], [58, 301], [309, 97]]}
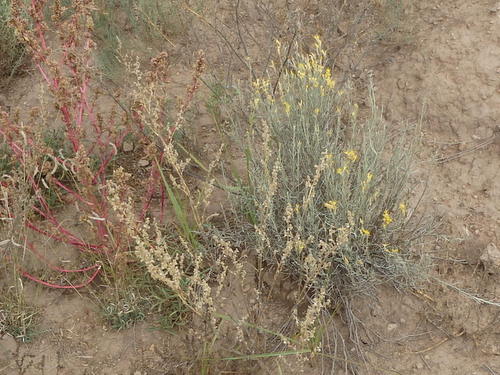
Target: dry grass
{"points": [[12, 50], [17, 317], [124, 25]]}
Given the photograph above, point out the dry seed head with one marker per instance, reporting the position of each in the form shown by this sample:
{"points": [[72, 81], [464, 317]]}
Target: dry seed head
{"points": [[318, 304]]}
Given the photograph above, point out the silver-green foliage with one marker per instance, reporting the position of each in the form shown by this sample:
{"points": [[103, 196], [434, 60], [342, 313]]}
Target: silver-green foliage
{"points": [[329, 187]]}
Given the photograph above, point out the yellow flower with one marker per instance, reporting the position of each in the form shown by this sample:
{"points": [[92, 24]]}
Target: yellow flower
{"points": [[387, 218], [341, 171], [402, 208], [330, 83], [299, 246], [393, 251], [337, 110], [287, 107], [351, 155], [331, 205], [316, 111], [365, 232], [328, 78]]}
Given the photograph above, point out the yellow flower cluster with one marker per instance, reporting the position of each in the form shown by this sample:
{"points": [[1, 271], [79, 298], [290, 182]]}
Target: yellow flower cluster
{"points": [[314, 71], [330, 83], [387, 218], [331, 205], [352, 155], [341, 170], [287, 107], [393, 250]]}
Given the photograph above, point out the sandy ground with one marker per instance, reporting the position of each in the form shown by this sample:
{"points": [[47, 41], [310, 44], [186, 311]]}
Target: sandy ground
{"points": [[450, 75]]}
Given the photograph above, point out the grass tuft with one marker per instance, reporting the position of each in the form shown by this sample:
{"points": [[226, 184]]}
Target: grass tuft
{"points": [[129, 25], [17, 317]]}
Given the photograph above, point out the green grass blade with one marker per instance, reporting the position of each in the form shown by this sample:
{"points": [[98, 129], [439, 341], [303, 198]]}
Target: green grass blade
{"points": [[179, 210]]}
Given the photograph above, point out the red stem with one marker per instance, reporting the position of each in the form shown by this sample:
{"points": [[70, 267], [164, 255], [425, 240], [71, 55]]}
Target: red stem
{"points": [[57, 286]]}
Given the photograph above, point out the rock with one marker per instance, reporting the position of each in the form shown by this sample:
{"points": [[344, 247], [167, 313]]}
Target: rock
{"points": [[491, 259], [128, 146], [391, 327], [143, 163]]}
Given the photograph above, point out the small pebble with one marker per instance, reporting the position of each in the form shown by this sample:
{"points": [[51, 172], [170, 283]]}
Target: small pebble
{"points": [[143, 163]]}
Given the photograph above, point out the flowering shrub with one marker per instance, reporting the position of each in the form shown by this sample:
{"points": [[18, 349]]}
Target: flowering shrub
{"points": [[329, 186]]}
